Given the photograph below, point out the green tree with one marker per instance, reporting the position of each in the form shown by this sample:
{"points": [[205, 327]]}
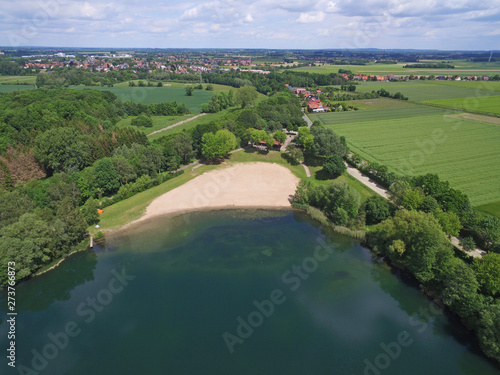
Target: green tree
{"points": [[376, 210], [107, 178], [488, 273], [305, 138], [280, 136], [182, 146], [61, 149], [142, 121], [449, 221], [468, 244], [326, 143], [490, 229], [216, 146], [189, 90], [124, 169], [89, 211], [412, 198], [334, 165], [246, 96], [426, 245]]}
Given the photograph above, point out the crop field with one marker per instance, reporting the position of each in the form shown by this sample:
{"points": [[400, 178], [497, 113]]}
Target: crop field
{"points": [[13, 80], [149, 95], [418, 91], [484, 104], [410, 110], [461, 68], [9, 88], [159, 122], [464, 152]]}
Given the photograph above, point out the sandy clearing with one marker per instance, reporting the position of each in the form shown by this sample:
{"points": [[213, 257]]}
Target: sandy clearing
{"points": [[242, 185]]}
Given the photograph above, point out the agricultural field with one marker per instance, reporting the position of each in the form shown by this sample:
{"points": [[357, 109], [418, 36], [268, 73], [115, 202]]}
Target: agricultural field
{"points": [[159, 122], [15, 80], [406, 110], [483, 104], [463, 151], [9, 88], [418, 91], [461, 68], [149, 95]]}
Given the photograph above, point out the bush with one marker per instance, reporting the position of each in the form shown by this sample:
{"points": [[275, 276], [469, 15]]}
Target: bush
{"points": [[334, 165], [376, 210], [142, 121]]}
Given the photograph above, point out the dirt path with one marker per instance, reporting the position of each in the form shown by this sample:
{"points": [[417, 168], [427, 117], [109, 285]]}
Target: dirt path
{"points": [[476, 253], [306, 168], [176, 124]]}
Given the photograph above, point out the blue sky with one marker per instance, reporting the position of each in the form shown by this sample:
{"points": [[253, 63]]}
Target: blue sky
{"points": [[423, 24]]}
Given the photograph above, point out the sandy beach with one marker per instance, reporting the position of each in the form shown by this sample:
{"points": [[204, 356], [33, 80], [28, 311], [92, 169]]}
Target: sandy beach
{"points": [[242, 185]]}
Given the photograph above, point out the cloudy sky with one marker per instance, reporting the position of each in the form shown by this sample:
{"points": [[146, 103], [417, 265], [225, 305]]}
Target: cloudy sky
{"points": [[423, 24]]}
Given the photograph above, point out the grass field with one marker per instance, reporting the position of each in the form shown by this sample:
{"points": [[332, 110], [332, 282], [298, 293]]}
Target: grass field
{"points": [[149, 95], [13, 80], [463, 151], [159, 122], [191, 124], [461, 68], [418, 91], [484, 104]]}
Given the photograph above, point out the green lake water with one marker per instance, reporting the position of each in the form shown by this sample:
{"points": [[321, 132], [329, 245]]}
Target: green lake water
{"points": [[231, 292]]}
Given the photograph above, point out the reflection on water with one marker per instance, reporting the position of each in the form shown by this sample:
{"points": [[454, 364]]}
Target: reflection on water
{"points": [[184, 286]]}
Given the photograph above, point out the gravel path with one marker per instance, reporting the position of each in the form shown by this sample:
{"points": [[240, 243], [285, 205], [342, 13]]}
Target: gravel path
{"points": [[309, 122], [477, 253], [176, 124]]}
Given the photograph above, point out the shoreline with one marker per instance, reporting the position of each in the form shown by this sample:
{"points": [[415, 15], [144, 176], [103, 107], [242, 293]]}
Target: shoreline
{"points": [[243, 185], [216, 190]]}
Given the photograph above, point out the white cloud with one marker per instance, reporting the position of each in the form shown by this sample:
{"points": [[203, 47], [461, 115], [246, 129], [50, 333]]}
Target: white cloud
{"points": [[311, 17], [260, 23]]}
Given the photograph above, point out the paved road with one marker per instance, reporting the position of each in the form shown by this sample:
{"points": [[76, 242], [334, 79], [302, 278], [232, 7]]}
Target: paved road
{"points": [[309, 122], [365, 180], [176, 124]]}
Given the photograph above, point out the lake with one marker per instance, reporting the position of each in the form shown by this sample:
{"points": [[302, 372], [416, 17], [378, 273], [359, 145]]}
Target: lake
{"points": [[232, 292]]}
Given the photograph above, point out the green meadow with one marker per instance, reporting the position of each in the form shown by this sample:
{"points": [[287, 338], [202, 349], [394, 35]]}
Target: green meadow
{"points": [[15, 80], [159, 122], [149, 95], [420, 139]]}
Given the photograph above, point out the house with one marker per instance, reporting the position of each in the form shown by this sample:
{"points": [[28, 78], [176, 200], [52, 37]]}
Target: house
{"points": [[315, 105], [299, 91]]}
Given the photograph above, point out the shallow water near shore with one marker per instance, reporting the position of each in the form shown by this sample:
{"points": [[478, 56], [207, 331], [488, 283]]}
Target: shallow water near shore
{"points": [[232, 292]]}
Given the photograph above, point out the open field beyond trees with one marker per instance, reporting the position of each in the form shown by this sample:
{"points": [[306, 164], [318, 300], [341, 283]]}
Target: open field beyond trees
{"points": [[417, 140], [461, 68]]}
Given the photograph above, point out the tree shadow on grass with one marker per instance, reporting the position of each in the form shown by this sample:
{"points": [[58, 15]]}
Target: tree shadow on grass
{"points": [[289, 158], [322, 175]]}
